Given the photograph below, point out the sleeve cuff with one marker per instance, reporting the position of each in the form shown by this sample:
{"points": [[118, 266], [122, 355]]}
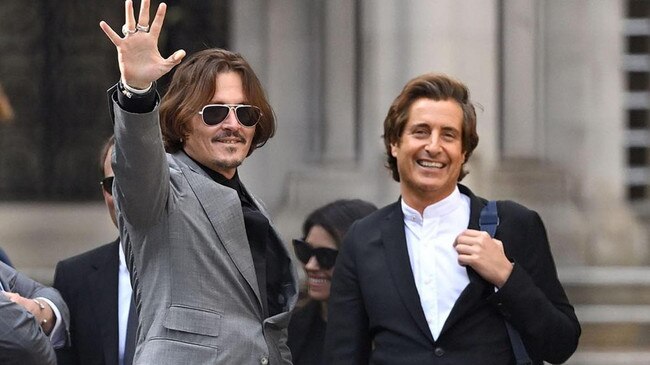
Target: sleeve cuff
{"points": [[136, 102], [57, 336]]}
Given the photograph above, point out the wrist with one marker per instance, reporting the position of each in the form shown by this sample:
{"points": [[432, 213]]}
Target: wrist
{"points": [[505, 275], [136, 89]]}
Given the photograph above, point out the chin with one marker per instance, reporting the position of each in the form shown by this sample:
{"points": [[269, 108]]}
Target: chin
{"points": [[318, 295]]}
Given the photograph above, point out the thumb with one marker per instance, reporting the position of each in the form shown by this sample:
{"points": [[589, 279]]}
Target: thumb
{"points": [[176, 57]]}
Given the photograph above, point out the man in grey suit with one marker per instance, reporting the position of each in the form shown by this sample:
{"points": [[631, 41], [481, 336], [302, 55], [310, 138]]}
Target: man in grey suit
{"points": [[212, 280], [33, 320]]}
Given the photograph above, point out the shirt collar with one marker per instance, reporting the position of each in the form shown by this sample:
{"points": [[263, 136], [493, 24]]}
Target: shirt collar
{"points": [[438, 209]]}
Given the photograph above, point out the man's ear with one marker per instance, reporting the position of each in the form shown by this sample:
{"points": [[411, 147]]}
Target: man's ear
{"points": [[393, 149]]}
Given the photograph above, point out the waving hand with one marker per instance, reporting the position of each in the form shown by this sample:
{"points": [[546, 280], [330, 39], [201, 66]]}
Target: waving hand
{"points": [[138, 56]]}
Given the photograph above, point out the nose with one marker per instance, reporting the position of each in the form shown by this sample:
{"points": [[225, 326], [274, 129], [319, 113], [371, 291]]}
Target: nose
{"points": [[433, 144], [312, 264], [231, 121]]}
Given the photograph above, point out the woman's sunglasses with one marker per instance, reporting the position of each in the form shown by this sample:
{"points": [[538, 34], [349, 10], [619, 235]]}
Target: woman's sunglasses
{"points": [[107, 184], [247, 115], [326, 257]]}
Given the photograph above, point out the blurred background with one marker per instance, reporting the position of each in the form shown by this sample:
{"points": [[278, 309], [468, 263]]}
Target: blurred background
{"points": [[564, 125]]}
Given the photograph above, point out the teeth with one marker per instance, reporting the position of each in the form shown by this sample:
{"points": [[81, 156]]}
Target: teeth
{"points": [[318, 281], [430, 164]]}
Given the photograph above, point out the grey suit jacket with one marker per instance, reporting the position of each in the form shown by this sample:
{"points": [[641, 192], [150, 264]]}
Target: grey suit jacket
{"points": [[22, 342], [191, 267]]}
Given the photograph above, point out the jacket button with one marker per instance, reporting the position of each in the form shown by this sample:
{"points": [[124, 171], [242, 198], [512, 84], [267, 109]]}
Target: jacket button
{"points": [[439, 351], [264, 360]]}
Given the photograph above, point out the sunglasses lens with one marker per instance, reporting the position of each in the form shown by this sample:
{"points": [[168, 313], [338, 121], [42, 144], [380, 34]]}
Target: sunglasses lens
{"points": [[215, 114], [326, 257], [302, 250], [248, 115], [107, 184]]}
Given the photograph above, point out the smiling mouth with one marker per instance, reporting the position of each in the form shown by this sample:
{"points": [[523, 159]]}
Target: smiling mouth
{"points": [[430, 164], [229, 141], [318, 281]]}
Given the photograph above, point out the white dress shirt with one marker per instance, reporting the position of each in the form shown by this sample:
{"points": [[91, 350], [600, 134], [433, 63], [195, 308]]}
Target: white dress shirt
{"points": [[124, 303], [429, 238]]}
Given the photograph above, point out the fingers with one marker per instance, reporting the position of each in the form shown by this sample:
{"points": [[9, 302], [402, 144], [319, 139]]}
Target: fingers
{"points": [[156, 25], [143, 18], [12, 296], [110, 33], [129, 18]]}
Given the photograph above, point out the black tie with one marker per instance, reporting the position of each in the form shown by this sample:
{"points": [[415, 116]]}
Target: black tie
{"points": [[131, 329]]}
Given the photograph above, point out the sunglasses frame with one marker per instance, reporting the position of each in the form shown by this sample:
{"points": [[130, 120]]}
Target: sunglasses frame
{"points": [[232, 107], [107, 184], [322, 254]]}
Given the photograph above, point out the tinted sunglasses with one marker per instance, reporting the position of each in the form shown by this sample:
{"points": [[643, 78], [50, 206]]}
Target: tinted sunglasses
{"points": [[107, 184], [326, 257], [247, 115]]}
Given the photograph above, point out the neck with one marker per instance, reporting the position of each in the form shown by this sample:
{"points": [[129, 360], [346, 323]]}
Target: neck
{"points": [[421, 201]]}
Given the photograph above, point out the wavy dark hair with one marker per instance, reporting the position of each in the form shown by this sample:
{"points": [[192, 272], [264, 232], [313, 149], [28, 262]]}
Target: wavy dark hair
{"points": [[337, 216], [436, 87], [193, 86]]}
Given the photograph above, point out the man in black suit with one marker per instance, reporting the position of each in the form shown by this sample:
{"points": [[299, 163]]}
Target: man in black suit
{"points": [[97, 288], [417, 282]]}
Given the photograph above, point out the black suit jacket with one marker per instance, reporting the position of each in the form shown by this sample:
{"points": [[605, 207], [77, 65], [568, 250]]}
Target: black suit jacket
{"points": [[89, 285], [375, 314], [306, 334]]}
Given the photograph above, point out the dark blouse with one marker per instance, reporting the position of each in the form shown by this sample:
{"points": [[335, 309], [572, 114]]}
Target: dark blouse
{"points": [[307, 334]]}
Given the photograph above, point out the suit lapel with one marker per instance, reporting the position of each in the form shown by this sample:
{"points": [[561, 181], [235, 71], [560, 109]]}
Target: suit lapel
{"points": [[477, 289], [399, 265], [223, 208], [102, 284]]}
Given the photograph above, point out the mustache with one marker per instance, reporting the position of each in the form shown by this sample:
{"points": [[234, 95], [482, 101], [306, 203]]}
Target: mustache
{"points": [[229, 134]]}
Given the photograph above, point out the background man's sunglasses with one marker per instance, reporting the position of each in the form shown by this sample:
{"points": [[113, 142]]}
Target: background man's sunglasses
{"points": [[326, 257], [107, 184], [247, 115]]}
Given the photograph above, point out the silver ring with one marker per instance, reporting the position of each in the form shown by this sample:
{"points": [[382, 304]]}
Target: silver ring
{"points": [[142, 28], [126, 31]]}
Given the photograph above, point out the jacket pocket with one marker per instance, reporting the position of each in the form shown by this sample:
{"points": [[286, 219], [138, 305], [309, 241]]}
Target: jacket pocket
{"points": [[193, 320]]}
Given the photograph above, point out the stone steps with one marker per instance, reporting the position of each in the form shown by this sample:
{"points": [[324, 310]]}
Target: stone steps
{"points": [[613, 306]]}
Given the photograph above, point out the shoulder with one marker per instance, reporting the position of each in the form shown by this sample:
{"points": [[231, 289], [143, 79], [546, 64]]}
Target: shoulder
{"points": [[88, 258], [508, 210], [374, 220], [511, 212]]}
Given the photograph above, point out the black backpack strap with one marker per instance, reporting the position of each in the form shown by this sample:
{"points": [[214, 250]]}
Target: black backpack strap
{"points": [[488, 222]]}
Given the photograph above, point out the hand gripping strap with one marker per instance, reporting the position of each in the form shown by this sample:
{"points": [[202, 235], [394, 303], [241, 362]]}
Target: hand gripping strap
{"points": [[488, 222]]}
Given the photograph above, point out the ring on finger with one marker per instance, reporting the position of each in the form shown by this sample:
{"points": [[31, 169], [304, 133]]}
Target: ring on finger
{"points": [[142, 28], [126, 31]]}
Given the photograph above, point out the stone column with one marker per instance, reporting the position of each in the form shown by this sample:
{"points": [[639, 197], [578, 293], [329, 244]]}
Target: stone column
{"points": [[522, 68]]}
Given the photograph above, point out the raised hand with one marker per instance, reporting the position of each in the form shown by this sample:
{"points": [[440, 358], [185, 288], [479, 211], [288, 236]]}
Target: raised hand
{"points": [[485, 255], [138, 56]]}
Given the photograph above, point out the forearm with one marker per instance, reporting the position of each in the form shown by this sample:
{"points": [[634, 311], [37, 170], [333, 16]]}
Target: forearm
{"points": [[140, 166], [548, 326], [23, 341]]}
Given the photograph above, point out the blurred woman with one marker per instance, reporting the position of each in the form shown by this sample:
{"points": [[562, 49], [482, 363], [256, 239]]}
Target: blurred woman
{"points": [[323, 231]]}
